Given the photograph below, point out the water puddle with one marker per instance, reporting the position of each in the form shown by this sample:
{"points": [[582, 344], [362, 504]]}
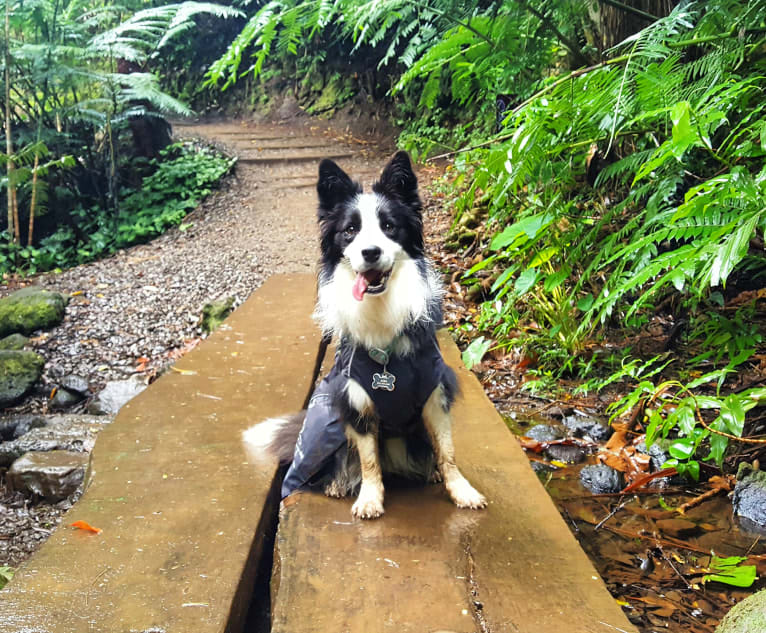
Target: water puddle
{"points": [[652, 557]]}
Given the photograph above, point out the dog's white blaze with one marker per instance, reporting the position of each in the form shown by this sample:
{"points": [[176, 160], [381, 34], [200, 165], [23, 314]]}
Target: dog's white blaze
{"points": [[371, 235], [369, 503], [438, 423], [378, 319]]}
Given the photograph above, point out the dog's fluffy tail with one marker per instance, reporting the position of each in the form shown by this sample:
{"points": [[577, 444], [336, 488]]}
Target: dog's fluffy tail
{"points": [[275, 437]]}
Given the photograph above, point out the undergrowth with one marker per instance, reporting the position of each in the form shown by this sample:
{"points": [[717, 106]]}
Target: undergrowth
{"points": [[184, 175]]}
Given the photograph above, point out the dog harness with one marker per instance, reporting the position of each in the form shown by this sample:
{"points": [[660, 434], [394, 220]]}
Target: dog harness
{"points": [[398, 386]]}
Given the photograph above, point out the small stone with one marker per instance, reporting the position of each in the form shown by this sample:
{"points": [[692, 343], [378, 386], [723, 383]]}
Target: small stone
{"points": [[14, 342], [14, 426], [115, 395], [19, 371], [582, 426], [63, 399], [544, 433], [566, 454], [60, 432], [679, 528], [75, 384], [749, 498], [53, 475], [601, 479]]}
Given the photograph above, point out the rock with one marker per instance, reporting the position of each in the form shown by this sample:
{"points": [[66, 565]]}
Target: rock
{"points": [[14, 342], [747, 616], [53, 475], [115, 394], [30, 309], [601, 479], [213, 314], [749, 498], [19, 371], [75, 384], [544, 433], [564, 453], [582, 426], [14, 426], [63, 399], [656, 452], [679, 528], [62, 432]]}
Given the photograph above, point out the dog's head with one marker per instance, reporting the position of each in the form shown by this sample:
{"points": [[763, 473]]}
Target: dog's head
{"points": [[369, 232]]}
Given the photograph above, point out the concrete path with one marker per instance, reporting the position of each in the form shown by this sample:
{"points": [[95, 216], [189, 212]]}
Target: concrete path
{"points": [[181, 509]]}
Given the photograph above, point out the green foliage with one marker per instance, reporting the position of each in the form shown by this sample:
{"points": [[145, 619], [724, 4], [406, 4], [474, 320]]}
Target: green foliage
{"points": [[731, 571], [674, 411], [79, 83], [676, 115], [6, 573], [184, 176]]}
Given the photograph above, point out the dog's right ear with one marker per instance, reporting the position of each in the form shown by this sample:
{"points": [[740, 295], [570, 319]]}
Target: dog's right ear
{"points": [[334, 186]]}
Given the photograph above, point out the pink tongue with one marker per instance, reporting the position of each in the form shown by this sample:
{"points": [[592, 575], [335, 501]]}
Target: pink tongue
{"points": [[360, 287]]}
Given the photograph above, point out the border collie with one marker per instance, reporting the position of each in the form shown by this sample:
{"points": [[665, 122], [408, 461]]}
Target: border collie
{"points": [[385, 405]]}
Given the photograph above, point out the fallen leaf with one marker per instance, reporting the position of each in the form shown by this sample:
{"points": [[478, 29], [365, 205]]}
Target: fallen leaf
{"points": [[84, 525]]}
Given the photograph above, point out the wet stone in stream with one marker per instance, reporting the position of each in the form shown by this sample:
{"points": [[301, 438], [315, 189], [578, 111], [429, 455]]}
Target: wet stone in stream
{"points": [[601, 479]]}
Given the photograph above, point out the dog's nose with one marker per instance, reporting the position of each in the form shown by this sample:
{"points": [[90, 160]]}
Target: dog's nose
{"points": [[371, 254]]}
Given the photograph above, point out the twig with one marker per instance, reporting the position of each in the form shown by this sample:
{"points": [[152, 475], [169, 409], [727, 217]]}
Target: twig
{"points": [[673, 567], [611, 514], [709, 494]]}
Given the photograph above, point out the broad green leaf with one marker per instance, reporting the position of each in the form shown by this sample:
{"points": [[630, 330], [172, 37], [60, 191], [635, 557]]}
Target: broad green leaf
{"points": [[682, 449], [473, 354], [684, 135], [528, 227], [525, 281], [733, 414]]}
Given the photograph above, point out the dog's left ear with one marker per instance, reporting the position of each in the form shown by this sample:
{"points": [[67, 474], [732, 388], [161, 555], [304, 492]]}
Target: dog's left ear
{"points": [[398, 180]]}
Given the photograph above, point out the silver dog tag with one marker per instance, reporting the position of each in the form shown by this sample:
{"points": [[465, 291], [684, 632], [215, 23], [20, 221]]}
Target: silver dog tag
{"points": [[385, 381], [380, 356]]}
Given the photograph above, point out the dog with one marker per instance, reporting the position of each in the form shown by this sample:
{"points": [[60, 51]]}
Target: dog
{"points": [[385, 405]]}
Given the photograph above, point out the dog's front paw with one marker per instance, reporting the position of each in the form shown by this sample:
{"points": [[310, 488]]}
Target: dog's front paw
{"points": [[464, 495], [369, 504]]}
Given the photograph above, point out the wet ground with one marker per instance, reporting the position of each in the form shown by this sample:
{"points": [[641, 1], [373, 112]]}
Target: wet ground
{"points": [[652, 557]]}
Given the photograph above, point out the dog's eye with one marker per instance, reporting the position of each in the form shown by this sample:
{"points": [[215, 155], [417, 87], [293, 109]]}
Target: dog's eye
{"points": [[388, 227], [350, 230]]}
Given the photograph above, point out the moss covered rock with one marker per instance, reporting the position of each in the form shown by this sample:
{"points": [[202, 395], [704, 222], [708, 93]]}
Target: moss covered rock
{"points": [[748, 616], [30, 309], [19, 371], [213, 314], [14, 341]]}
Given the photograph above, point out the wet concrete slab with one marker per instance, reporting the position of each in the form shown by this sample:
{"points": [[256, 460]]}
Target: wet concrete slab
{"points": [[426, 566], [180, 506]]}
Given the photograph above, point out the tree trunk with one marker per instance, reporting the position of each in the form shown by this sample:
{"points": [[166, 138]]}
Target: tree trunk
{"points": [[33, 201], [616, 21], [13, 228]]}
